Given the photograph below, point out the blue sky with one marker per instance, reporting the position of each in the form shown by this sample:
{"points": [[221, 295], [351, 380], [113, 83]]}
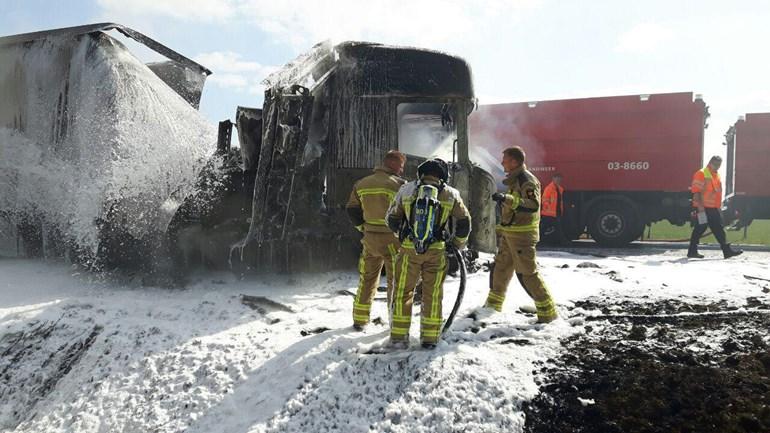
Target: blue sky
{"points": [[519, 50]]}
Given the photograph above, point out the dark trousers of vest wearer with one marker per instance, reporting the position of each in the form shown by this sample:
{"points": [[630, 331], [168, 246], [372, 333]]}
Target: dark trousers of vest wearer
{"points": [[714, 218], [551, 231]]}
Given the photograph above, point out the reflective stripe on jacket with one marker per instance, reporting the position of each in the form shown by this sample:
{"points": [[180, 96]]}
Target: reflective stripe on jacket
{"points": [[452, 205], [373, 195], [525, 216]]}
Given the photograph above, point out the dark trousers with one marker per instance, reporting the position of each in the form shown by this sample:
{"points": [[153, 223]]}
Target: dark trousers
{"points": [[714, 218], [551, 231]]}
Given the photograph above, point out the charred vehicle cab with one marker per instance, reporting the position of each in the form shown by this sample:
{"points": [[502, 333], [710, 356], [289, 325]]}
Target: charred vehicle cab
{"points": [[328, 118]]}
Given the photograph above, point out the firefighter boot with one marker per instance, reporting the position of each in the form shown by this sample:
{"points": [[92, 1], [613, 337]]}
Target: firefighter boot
{"points": [[535, 286], [398, 344]]}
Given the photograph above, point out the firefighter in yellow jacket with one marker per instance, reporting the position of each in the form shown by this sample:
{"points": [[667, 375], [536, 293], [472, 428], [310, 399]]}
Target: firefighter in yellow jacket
{"points": [[517, 235], [421, 215], [368, 203]]}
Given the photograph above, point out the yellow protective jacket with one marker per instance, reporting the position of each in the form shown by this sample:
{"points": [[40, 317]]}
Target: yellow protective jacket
{"points": [[520, 211], [451, 206], [370, 200]]}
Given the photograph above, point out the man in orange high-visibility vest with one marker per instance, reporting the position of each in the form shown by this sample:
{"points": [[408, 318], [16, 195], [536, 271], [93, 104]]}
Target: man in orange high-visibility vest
{"points": [[552, 212], [707, 200]]}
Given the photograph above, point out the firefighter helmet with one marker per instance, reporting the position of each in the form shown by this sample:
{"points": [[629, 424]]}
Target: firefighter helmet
{"points": [[434, 167]]}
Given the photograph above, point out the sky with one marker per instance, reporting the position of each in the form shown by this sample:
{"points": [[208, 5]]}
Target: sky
{"points": [[519, 50]]}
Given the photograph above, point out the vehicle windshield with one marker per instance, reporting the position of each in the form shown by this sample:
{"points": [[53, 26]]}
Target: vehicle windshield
{"points": [[427, 130]]}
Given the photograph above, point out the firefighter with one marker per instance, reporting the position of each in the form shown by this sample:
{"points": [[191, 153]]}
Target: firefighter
{"points": [[707, 200], [366, 207], [517, 234], [552, 211], [421, 214]]}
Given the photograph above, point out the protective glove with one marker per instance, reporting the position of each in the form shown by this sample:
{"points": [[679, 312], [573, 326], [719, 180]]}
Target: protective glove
{"points": [[514, 200]]}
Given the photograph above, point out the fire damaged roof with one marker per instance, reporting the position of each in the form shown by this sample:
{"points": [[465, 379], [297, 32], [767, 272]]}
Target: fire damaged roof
{"points": [[104, 27], [181, 73], [379, 70]]}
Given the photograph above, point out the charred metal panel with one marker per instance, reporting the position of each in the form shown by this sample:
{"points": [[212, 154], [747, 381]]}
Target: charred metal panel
{"points": [[279, 172], [249, 124], [224, 136], [180, 73], [307, 70], [730, 164], [481, 187], [187, 82], [400, 71], [362, 130], [104, 27], [366, 130]]}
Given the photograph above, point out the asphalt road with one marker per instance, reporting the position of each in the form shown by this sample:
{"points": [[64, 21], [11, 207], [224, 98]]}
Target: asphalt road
{"points": [[589, 247]]}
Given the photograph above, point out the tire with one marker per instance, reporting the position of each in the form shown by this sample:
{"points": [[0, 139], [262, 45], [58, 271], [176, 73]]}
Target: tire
{"points": [[614, 224]]}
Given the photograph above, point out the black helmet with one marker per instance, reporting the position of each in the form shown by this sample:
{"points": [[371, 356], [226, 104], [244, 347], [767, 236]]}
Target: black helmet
{"points": [[434, 167]]}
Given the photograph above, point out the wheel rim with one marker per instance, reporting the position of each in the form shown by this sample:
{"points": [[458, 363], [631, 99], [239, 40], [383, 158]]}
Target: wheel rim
{"points": [[611, 224]]}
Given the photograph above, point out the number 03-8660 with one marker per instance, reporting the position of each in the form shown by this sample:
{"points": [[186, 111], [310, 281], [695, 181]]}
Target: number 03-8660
{"points": [[628, 165]]}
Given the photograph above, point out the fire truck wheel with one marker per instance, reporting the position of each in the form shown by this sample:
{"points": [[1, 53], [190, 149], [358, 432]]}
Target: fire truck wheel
{"points": [[613, 224]]}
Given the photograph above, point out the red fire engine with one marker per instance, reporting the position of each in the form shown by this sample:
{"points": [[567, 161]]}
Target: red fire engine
{"points": [[627, 161], [747, 180]]}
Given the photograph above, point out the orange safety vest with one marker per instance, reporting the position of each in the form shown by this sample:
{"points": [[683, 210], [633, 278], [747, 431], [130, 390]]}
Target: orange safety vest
{"points": [[709, 185], [550, 201]]}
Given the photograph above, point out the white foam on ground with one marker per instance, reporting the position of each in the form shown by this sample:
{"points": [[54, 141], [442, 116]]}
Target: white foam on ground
{"points": [[198, 360]]}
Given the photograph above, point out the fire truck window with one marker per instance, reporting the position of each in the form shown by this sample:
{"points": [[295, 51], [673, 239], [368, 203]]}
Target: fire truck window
{"points": [[427, 130]]}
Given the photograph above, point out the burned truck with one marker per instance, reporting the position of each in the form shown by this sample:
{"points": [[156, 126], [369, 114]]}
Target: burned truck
{"points": [[328, 118], [106, 160]]}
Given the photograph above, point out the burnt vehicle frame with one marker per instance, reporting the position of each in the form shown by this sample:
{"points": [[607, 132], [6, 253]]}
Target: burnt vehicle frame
{"points": [[328, 118]]}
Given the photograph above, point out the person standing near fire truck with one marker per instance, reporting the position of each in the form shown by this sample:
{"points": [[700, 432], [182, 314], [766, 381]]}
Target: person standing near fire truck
{"points": [[552, 212], [707, 200]]}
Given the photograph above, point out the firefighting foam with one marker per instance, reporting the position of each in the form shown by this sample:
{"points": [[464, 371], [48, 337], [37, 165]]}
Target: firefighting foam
{"points": [[95, 147]]}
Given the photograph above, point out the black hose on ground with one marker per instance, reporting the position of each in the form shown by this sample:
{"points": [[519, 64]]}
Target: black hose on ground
{"points": [[461, 291]]}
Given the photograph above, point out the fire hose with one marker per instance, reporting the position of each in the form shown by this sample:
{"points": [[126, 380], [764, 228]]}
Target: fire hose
{"points": [[451, 249]]}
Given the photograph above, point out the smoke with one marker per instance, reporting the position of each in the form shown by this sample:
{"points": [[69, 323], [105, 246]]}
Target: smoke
{"points": [[494, 128], [422, 132]]}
